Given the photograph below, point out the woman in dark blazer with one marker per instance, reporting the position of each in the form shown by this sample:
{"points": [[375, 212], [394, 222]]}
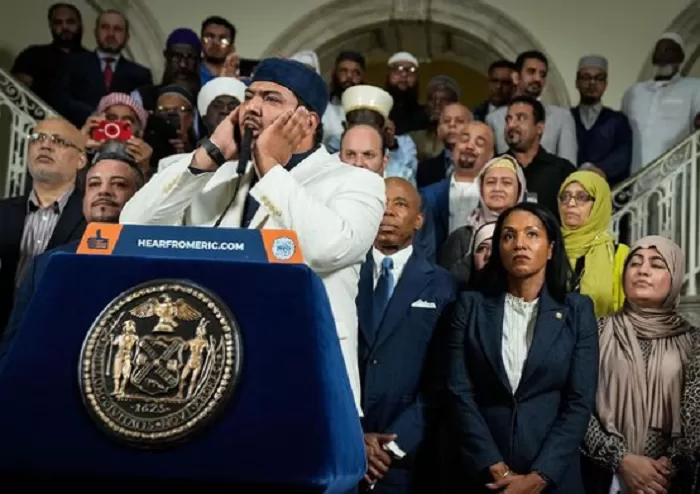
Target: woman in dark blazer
{"points": [[523, 363]]}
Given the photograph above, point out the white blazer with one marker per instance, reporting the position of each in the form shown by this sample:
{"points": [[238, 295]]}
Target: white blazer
{"points": [[334, 208]]}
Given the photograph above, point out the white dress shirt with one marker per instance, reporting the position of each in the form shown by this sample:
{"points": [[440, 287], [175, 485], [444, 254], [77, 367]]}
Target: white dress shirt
{"points": [[399, 259], [661, 114], [464, 199], [519, 319]]}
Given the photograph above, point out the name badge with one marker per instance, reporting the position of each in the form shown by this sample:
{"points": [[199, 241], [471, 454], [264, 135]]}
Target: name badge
{"points": [[222, 244]]}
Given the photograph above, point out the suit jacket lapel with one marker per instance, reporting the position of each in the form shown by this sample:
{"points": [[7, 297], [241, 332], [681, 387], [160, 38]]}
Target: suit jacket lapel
{"points": [[550, 319], [412, 282], [365, 295], [490, 327], [70, 222]]}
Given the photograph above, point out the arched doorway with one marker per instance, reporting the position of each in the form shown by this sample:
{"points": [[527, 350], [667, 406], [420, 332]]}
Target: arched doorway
{"points": [[687, 25], [457, 37]]}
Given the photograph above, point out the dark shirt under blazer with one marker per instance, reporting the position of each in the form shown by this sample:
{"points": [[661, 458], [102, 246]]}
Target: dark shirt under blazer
{"points": [[541, 426], [395, 362], [13, 212]]}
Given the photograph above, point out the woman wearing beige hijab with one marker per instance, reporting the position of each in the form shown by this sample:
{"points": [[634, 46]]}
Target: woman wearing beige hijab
{"points": [[644, 349]]}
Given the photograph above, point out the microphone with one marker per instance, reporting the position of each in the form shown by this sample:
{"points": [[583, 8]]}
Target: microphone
{"points": [[245, 150]]}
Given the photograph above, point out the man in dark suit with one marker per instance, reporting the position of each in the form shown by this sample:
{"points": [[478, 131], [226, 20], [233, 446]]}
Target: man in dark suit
{"points": [[500, 89], [87, 77], [50, 214], [112, 179], [400, 300], [604, 135]]}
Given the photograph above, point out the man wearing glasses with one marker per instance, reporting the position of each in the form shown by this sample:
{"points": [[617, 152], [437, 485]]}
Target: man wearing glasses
{"points": [[51, 214], [219, 49], [604, 135]]}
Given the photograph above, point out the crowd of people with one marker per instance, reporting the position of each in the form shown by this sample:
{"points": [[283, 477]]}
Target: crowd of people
{"points": [[497, 336]]}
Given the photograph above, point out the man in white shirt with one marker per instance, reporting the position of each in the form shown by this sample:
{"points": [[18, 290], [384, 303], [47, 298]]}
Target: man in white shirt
{"points": [[349, 71], [662, 111], [530, 78], [452, 200], [294, 184]]}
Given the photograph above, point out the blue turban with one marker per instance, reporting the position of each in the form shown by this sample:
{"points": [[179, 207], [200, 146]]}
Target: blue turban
{"points": [[184, 36], [306, 84]]}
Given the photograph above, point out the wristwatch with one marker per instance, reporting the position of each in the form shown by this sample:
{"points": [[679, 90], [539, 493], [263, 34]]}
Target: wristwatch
{"points": [[213, 151]]}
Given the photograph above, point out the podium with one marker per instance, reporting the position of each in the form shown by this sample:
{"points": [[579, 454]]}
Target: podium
{"points": [[289, 423]]}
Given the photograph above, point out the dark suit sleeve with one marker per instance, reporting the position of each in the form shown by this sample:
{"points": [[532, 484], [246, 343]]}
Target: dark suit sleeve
{"points": [[146, 78], [424, 239], [475, 440], [65, 95], [578, 399], [410, 425], [617, 164], [22, 298], [25, 62]]}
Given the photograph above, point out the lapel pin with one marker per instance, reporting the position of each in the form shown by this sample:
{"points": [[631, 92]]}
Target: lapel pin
{"points": [[558, 315]]}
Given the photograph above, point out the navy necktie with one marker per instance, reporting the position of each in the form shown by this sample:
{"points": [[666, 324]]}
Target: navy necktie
{"points": [[382, 292]]}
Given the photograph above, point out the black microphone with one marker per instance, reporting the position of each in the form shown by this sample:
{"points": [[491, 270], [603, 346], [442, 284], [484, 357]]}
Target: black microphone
{"points": [[244, 150]]}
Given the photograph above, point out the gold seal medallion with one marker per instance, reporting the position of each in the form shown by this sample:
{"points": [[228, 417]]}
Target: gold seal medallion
{"points": [[159, 362]]}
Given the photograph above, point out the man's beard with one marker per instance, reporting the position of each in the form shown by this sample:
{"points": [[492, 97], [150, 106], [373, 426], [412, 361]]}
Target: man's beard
{"points": [[337, 88], [666, 71], [589, 100], [533, 90], [214, 60], [402, 97], [70, 44]]}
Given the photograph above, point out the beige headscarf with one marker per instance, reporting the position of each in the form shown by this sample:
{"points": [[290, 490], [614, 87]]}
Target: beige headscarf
{"points": [[632, 399]]}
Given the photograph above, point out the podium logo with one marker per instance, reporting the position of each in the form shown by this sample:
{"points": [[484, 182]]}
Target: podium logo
{"points": [[160, 362], [98, 242], [283, 248], [100, 239]]}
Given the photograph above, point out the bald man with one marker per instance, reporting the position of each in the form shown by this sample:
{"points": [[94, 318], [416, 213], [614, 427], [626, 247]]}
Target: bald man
{"points": [[400, 299], [453, 199], [50, 214], [450, 126], [363, 146]]}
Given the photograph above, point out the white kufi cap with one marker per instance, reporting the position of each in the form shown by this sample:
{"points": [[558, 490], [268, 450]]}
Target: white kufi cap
{"points": [[219, 86], [676, 38], [403, 56], [367, 98]]}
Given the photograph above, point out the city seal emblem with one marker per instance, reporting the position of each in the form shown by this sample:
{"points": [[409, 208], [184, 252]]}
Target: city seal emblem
{"points": [[160, 361]]}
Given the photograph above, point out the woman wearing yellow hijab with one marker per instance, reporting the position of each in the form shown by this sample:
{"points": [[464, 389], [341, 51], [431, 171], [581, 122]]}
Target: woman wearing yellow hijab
{"points": [[585, 207]]}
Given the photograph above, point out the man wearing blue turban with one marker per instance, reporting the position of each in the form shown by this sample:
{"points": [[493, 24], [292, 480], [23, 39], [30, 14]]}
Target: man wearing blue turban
{"points": [[294, 183]]}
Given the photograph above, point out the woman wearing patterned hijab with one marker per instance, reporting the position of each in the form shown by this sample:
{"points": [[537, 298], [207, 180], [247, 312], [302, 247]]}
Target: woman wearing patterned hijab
{"points": [[644, 351], [501, 185], [585, 208]]}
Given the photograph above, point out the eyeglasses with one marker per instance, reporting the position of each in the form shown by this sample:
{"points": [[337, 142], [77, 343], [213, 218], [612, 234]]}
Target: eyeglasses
{"points": [[579, 198], [52, 138], [209, 39], [404, 69], [599, 79], [174, 109]]}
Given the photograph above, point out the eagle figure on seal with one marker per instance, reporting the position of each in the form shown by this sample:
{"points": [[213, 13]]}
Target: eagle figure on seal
{"points": [[167, 311]]}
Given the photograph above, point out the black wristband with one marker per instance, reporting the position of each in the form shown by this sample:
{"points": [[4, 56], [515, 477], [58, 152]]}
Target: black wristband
{"points": [[213, 151]]}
